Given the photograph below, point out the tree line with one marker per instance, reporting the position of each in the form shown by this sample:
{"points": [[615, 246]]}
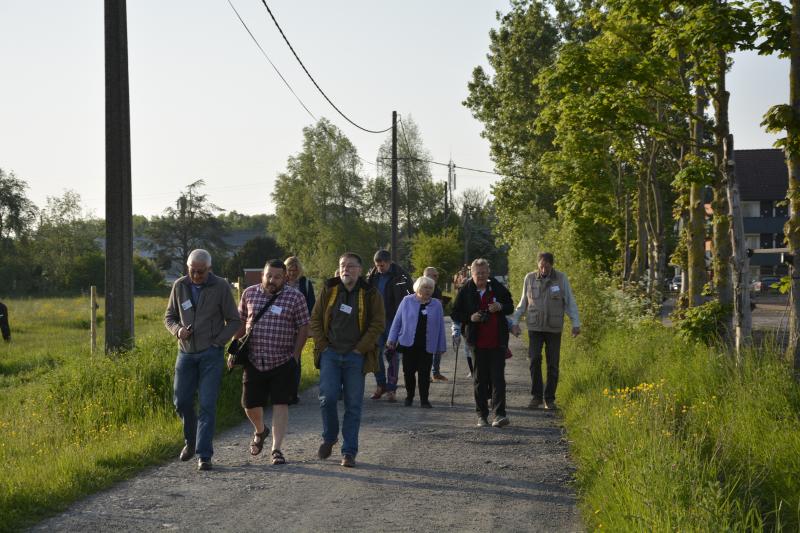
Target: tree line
{"points": [[613, 115]]}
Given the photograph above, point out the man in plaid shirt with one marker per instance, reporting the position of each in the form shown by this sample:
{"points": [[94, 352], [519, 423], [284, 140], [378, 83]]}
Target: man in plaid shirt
{"points": [[276, 343]]}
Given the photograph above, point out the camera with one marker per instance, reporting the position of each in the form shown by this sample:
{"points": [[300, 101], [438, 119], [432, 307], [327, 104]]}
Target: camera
{"points": [[484, 315]]}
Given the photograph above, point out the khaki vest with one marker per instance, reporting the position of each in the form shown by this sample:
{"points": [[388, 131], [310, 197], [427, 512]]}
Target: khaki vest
{"points": [[545, 302]]}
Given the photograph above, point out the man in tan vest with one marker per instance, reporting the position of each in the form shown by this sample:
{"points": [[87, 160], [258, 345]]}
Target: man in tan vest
{"points": [[546, 298]]}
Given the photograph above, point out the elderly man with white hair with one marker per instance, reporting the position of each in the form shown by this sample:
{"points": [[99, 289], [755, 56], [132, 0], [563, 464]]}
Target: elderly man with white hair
{"points": [[202, 315], [418, 332]]}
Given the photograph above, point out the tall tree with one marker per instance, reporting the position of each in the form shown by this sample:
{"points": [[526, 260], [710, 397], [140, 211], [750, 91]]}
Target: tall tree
{"points": [[318, 200], [17, 212], [191, 223]]}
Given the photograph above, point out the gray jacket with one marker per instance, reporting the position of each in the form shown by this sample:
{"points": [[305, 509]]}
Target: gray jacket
{"points": [[214, 317]]}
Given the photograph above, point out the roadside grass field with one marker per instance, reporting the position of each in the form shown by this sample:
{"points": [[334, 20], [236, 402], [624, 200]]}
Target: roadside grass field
{"points": [[72, 423], [674, 436]]}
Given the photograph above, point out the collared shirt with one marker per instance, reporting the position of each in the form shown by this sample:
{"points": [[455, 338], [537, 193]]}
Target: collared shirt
{"points": [[273, 338]]}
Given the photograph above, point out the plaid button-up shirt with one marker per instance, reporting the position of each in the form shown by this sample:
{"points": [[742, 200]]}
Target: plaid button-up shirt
{"points": [[273, 337]]}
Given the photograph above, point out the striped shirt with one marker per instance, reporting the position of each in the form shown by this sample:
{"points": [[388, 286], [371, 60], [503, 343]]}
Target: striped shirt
{"points": [[273, 338]]}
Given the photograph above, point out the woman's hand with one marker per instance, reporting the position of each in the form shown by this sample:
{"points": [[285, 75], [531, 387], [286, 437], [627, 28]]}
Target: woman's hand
{"points": [[391, 345]]}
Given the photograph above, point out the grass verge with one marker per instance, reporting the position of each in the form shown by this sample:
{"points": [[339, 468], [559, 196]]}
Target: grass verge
{"points": [[671, 436], [72, 423]]}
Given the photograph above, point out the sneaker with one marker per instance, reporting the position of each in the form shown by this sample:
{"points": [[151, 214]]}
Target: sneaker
{"points": [[390, 396], [550, 405], [535, 403], [482, 422], [349, 461], [469, 374], [378, 393], [204, 463], [408, 401], [425, 405], [325, 449], [439, 377], [500, 422], [187, 453]]}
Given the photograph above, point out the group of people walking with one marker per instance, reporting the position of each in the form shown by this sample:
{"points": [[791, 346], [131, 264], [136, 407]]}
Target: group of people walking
{"points": [[360, 324]]}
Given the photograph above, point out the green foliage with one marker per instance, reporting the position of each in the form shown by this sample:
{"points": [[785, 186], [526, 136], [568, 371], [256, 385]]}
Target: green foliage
{"points": [[442, 251], [254, 254], [17, 212], [703, 323], [190, 224], [72, 423], [672, 436]]}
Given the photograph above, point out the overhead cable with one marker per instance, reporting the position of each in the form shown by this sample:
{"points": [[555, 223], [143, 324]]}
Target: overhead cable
{"points": [[312, 78]]}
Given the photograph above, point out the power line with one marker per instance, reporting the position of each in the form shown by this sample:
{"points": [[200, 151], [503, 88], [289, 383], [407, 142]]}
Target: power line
{"points": [[270, 61], [312, 78], [324, 128]]}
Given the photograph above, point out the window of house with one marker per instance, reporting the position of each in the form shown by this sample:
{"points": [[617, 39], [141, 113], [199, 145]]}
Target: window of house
{"points": [[752, 241], [766, 208], [751, 209], [767, 240]]}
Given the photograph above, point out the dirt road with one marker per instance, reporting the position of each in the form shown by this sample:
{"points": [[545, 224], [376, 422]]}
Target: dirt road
{"points": [[418, 470]]}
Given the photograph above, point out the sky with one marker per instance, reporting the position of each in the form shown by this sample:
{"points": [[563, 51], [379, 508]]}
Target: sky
{"points": [[205, 104]]}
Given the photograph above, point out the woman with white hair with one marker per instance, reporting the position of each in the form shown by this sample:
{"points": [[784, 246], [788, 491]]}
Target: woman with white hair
{"points": [[418, 333]]}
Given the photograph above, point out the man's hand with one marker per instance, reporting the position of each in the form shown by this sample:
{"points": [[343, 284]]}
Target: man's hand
{"points": [[185, 333], [456, 339], [495, 307], [476, 317], [516, 330], [230, 361], [576, 331]]}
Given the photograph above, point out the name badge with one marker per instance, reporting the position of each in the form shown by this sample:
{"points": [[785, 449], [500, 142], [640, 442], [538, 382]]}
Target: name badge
{"points": [[186, 305], [344, 308], [555, 288], [424, 311], [275, 310]]}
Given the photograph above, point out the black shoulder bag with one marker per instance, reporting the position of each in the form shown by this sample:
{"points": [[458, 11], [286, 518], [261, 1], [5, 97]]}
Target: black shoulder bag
{"points": [[240, 348]]}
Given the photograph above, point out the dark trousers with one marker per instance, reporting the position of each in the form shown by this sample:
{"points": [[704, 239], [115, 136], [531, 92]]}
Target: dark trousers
{"points": [[419, 362], [551, 342], [489, 375]]}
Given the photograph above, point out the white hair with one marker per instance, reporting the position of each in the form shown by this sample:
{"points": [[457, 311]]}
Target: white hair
{"points": [[480, 262], [423, 281], [199, 256]]}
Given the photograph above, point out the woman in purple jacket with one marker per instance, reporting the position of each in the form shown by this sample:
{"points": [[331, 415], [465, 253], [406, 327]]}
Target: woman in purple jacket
{"points": [[418, 332]]}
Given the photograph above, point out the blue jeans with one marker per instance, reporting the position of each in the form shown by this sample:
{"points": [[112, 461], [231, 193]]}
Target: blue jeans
{"points": [[394, 366], [341, 373], [199, 372]]}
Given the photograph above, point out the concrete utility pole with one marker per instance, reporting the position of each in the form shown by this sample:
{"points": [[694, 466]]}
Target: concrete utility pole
{"points": [[394, 186], [119, 220]]}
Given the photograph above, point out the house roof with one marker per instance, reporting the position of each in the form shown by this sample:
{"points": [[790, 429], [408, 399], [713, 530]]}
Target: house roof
{"points": [[762, 174]]}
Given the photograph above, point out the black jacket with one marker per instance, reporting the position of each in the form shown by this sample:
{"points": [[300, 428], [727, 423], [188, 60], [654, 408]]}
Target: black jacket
{"points": [[468, 302], [4, 322], [399, 286]]}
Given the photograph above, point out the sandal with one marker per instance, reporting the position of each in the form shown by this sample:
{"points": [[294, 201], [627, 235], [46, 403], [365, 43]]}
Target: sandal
{"points": [[277, 458], [258, 441]]}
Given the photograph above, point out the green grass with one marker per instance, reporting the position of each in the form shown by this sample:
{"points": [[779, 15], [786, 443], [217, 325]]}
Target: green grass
{"points": [[72, 423], [670, 436]]}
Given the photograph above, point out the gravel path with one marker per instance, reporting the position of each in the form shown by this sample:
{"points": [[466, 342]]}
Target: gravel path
{"points": [[417, 470]]}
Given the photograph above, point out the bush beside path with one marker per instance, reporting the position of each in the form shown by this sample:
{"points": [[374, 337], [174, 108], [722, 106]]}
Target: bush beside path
{"points": [[417, 470]]}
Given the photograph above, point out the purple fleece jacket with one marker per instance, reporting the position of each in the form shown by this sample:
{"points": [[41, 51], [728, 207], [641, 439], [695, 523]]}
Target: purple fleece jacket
{"points": [[404, 325]]}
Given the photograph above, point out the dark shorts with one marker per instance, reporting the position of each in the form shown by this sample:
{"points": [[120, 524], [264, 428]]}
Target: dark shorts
{"points": [[277, 384]]}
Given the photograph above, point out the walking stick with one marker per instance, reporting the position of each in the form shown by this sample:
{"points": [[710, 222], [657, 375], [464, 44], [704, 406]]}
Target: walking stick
{"points": [[455, 373]]}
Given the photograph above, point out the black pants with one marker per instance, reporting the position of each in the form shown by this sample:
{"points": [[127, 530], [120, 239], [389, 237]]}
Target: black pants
{"points": [[419, 362], [552, 349], [490, 367]]}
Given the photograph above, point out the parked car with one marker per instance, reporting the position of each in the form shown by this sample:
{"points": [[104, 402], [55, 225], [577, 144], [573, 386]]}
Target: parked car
{"points": [[675, 284], [766, 283]]}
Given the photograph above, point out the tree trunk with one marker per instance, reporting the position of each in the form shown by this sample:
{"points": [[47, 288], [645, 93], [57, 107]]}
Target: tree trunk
{"points": [[742, 319], [722, 224], [640, 261], [792, 228], [697, 215]]}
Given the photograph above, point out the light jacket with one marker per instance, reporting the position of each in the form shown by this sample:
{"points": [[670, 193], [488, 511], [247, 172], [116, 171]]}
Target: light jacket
{"points": [[545, 301], [404, 325], [214, 317], [371, 318]]}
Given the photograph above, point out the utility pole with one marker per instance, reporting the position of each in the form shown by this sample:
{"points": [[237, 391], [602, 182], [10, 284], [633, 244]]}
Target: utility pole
{"points": [[394, 186], [119, 223], [445, 205]]}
